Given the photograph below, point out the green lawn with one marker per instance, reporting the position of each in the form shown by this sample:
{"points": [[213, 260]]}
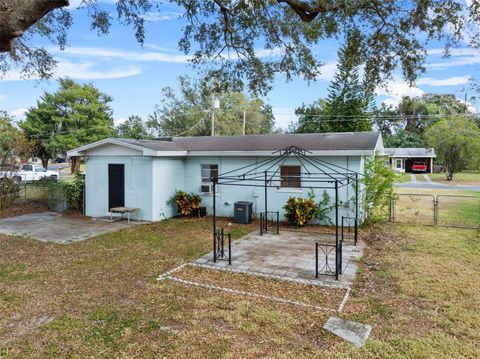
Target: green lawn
{"points": [[402, 177], [461, 178], [99, 299]]}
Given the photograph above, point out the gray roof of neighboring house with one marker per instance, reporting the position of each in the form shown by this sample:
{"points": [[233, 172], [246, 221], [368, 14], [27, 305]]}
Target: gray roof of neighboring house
{"points": [[410, 152], [315, 142]]}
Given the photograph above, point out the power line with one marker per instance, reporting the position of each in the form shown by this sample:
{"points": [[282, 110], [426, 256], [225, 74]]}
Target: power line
{"points": [[194, 126], [400, 116]]}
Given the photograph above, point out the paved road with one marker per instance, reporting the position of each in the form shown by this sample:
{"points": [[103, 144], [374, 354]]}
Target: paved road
{"points": [[432, 185]]}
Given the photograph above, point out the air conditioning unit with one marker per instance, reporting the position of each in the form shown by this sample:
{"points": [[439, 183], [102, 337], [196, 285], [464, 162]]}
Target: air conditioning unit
{"points": [[206, 188]]}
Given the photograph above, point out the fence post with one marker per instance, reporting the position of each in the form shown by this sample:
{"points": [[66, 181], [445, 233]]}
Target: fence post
{"points": [[435, 210], [342, 228], [356, 233], [390, 209], [229, 249]]}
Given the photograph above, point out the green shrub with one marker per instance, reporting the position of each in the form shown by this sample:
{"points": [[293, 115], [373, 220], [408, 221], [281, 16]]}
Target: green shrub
{"points": [[73, 192], [298, 211], [187, 203], [377, 188]]}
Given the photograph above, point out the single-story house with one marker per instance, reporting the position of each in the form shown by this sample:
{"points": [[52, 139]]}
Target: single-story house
{"points": [[402, 159], [144, 174]]}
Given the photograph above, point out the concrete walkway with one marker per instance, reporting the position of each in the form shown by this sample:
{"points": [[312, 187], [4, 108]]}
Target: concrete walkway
{"points": [[427, 178], [289, 255], [48, 227]]}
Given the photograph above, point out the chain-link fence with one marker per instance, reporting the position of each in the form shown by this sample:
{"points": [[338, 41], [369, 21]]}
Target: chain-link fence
{"points": [[45, 192], [461, 211], [413, 208]]}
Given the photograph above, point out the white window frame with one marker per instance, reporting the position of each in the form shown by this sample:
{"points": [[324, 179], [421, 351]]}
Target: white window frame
{"points": [[205, 179], [402, 166]]}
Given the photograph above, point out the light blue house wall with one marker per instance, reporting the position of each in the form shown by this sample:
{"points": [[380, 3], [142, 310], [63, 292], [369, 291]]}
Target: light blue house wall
{"points": [[276, 198], [168, 175], [152, 174], [151, 181], [138, 184]]}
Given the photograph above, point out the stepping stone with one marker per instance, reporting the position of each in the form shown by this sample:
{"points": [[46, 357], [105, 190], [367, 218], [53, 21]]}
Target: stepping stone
{"points": [[353, 332]]}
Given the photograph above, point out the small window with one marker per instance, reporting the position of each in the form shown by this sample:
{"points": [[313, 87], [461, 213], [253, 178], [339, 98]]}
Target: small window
{"points": [[40, 169], [290, 176], [208, 172], [27, 168], [399, 164]]}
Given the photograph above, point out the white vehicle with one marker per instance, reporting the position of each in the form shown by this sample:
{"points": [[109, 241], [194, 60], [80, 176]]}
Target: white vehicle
{"points": [[30, 172]]}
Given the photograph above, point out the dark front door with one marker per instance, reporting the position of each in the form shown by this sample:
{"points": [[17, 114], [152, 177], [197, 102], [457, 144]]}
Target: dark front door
{"points": [[116, 185]]}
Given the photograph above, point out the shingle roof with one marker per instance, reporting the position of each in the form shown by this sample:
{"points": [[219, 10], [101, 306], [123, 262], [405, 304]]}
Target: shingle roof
{"points": [[366, 141], [410, 152]]}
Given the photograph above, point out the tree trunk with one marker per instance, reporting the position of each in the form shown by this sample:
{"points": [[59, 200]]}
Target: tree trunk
{"points": [[17, 16], [448, 173], [74, 164], [45, 162]]}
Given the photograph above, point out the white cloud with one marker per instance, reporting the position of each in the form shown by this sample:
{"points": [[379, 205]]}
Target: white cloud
{"points": [[450, 81], [80, 71], [86, 71], [19, 114], [284, 116], [161, 16], [74, 4], [2, 97], [461, 51], [396, 89], [456, 57], [119, 121], [165, 56], [98, 52], [328, 70]]}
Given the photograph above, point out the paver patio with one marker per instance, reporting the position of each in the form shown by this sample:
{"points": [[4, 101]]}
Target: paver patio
{"points": [[289, 255], [49, 227]]}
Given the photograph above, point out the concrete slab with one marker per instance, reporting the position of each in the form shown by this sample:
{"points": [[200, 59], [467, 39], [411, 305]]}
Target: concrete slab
{"points": [[290, 255], [50, 227], [353, 332]]}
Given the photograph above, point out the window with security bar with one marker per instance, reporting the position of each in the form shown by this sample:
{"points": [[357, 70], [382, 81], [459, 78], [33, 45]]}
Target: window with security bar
{"points": [[290, 176], [207, 172]]}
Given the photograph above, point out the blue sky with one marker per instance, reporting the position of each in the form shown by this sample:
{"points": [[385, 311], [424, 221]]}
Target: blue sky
{"points": [[134, 76]]}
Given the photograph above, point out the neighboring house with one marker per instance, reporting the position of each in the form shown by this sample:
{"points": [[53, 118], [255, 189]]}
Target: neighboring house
{"points": [[145, 173], [402, 159]]}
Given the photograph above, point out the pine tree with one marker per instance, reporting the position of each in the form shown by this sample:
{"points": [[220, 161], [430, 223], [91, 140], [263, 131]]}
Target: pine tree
{"points": [[348, 102], [346, 108]]}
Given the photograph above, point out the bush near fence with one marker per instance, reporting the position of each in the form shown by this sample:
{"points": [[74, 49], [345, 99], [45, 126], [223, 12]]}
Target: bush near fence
{"points": [[56, 196]]}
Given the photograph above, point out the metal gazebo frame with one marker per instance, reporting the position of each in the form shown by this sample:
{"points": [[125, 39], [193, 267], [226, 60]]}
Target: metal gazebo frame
{"points": [[264, 174]]}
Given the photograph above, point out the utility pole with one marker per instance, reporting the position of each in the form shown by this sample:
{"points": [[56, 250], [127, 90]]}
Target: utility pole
{"points": [[244, 121], [213, 115], [215, 104]]}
